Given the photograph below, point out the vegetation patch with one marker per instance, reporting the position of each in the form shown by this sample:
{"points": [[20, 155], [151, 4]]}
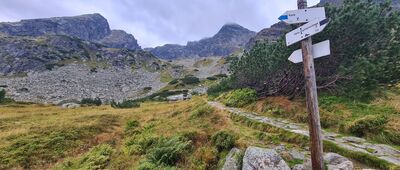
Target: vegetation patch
{"points": [[202, 110], [223, 141], [190, 80], [240, 97], [91, 102], [125, 104], [97, 158], [46, 145]]}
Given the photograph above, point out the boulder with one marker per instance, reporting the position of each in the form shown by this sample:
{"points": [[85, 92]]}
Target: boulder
{"points": [[337, 162], [334, 162], [232, 160], [70, 105], [258, 158], [179, 97]]}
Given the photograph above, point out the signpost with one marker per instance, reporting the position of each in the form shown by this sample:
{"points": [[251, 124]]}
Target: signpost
{"points": [[318, 50], [306, 30], [315, 22], [303, 15]]}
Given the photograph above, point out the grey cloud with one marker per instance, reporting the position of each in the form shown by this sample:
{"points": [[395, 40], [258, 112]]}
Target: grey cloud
{"points": [[156, 22]]}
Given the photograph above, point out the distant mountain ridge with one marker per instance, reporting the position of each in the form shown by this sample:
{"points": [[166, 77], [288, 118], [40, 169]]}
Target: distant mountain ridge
{"points": [[230, 38], [89, 27]]}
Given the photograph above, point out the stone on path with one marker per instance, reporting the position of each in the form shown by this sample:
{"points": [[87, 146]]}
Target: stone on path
{"points": [[256, 158], [337, 162], [232, 160], [70, 105]]}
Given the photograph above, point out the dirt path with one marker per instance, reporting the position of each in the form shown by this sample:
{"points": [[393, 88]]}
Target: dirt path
{"points": [[380, 151]]}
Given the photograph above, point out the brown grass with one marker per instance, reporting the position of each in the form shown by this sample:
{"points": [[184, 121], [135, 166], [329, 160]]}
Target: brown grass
{"points": [[169, 119]]}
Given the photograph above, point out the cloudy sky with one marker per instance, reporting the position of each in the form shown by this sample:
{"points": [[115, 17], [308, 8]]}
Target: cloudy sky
{"points": [[157, 22]]}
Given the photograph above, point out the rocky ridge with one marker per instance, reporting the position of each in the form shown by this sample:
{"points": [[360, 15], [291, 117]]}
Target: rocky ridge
{"points": [[269, 34], [230, 38], [21, 54], [89, 27]]}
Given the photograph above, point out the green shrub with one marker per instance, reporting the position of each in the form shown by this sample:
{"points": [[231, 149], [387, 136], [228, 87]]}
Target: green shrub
{"points": [[202, 111], [131, 127], [190, 80], [168, 151], [212, 78], [240, 97], [221, 75], [125, 104], [147, 88], [139, 144], [131, 124], [223, 86], [2, 95], [223, 140], [146, 165], [97, 158], [367, 125], [91, 102], [174, 81]]}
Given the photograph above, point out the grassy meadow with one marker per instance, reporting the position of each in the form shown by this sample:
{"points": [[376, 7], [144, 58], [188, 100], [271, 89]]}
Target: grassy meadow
{"points": [[49, 137]]}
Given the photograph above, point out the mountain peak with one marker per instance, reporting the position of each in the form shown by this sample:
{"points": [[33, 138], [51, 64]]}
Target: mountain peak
{"points": [[233, 28], [87, 27]]}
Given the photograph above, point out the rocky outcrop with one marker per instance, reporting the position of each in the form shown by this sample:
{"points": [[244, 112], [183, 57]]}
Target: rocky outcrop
{"points": [[120, 39], [230, 38], [26, 54], [259, 158], [269, 34], [337, 162], [89, 27], [232, 160]]}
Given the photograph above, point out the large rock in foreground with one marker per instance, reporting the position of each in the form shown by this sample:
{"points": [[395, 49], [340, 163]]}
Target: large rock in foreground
{"points": [[232, 160], [337, 162], [258, 158]]}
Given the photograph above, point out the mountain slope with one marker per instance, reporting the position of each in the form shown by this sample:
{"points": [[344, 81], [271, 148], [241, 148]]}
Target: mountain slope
{"points": [[268, 34], [26, 54], [229, 38], [90, 27]]}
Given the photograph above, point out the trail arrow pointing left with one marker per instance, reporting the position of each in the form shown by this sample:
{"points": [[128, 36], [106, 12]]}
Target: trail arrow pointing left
{"points": [[303, 15]]}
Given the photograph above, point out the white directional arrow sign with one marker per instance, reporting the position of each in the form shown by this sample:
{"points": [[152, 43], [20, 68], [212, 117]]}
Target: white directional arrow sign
{"points": [[305, 31], [319, 50], [303, 15]]}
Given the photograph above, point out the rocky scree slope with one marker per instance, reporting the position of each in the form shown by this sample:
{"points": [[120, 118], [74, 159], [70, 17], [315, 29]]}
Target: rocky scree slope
{"points": [[70, 58], [90, 27], [230, 38], [76, 81]]}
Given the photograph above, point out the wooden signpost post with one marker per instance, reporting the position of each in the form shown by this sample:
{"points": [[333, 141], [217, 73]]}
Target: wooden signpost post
{"points": [[315, 22]]}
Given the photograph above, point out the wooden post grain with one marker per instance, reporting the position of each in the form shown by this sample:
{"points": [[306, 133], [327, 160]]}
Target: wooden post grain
{"points": [[312, 100]]}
